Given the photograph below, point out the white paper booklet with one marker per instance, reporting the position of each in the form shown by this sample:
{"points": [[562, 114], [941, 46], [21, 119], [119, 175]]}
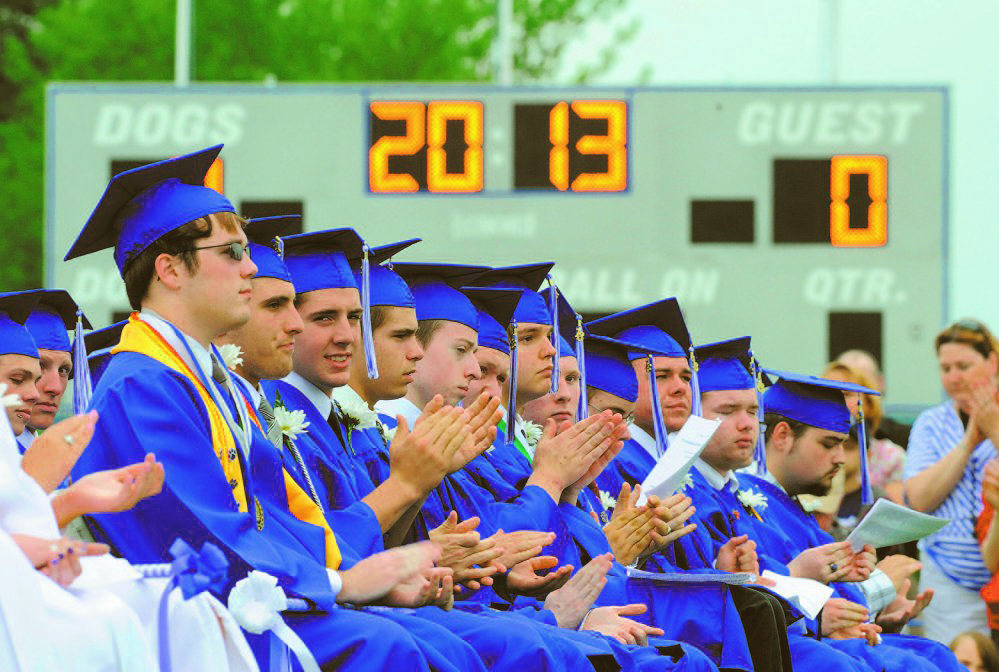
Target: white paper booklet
{"points": [[807, 595], [887, 524], [736, 579], [666, 477]]}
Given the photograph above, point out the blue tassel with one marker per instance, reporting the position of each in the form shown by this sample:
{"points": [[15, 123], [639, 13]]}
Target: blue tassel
{"points": [[760, 452], [511, 408], [695, 385], [583, 410], [866, 491], [366, 336], [662, 440], [82, 386], [556, 339]]}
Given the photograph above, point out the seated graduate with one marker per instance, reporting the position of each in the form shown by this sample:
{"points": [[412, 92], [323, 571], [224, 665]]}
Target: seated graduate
{"points": [[181, 250], [55, 313], [658, 325], [103, 596], [329, 304], [807, 422]]}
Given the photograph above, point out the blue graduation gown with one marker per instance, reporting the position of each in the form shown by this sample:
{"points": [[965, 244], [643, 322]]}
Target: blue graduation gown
{"points": [[146, 407], [789, 531], [345, 480], [702, 614]]}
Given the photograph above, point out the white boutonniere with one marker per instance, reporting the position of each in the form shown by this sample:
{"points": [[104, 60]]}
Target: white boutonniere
{"points": [[232, 355], [687, 482], [292, 423], [810, 505], [532, 432], [356, 414], [752, 499], [8, 400], [389, 433], [608, 501]]}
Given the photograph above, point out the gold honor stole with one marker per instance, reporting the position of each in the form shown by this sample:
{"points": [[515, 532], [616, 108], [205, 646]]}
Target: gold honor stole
{"points": [[137, 336]]}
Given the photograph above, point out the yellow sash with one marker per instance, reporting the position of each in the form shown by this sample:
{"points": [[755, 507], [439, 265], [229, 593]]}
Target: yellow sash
{"points": [[138, 336]]}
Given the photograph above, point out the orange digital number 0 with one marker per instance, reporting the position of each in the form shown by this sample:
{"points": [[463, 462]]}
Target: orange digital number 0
{"points": [[379, 177], [470, 177], [875, 234], [613, 145]]}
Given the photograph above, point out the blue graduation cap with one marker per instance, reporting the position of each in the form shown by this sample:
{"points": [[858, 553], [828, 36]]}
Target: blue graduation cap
{"points": [[495, 308], [386, 287], [609, 368], [436, 293], [659, 326], [819, 402], [55, 314], [142, 205], [15, 307], [533, 308], [323, 260], [266, 236]]}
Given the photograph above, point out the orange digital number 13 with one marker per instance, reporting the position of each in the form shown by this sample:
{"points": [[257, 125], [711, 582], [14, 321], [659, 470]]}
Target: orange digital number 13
{"points": [[613, 145]]}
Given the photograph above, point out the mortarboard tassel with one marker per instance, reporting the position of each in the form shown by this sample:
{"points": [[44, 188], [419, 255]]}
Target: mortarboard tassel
{"points": [[760, 452], [366, 335], [82, 387], [662, 441], [511, 407], [866, 492], [695, 385], [583, 410], [556, 338]]}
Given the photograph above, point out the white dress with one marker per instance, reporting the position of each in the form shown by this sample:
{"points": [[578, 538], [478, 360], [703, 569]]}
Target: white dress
{"points": [[107, 620]]}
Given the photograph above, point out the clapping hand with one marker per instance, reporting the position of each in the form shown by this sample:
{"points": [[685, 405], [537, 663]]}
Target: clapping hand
{"points": [[52, 455], [58, 559], [110, 490]]}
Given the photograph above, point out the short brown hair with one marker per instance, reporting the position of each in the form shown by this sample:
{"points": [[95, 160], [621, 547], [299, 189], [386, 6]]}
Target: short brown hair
{"points": [[426, 330], [180, 242], [771, 420], [378, 316], [969, 332]]}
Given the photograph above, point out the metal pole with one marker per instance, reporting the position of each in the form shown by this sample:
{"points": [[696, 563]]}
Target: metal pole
{"points": [[829, 41], [182, 44], [504, 43]]}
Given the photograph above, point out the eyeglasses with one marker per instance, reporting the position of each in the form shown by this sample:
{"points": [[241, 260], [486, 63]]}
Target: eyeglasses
{"points": [[235, 250]]}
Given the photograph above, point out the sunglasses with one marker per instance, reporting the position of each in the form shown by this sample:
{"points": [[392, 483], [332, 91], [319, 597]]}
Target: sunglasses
{"points": [[235, 250]]}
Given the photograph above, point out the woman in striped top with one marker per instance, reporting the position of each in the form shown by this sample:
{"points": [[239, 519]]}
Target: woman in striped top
{"points": [[948, 450]]}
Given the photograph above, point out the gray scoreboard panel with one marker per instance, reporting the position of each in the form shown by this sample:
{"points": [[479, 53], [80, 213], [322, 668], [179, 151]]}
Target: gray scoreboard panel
{"points": [[813, 219]]}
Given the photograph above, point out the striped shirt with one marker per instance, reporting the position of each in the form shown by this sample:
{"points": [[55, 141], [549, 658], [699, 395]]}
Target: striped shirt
{"points": [[954, 548]]}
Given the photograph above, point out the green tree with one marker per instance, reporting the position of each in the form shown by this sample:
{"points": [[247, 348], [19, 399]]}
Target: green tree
{"points": [[250, 40]]}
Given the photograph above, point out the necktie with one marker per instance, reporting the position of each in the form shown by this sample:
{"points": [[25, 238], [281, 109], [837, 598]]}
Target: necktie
{"points": [[267, 414], [276, 436], [334, 422], [218, 372]]}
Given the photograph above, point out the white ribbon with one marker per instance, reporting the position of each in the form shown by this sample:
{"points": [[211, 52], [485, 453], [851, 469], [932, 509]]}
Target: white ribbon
{"points": [[256, 603]]}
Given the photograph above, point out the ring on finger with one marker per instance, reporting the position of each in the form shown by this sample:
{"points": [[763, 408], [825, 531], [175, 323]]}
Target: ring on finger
{"points": [[833, 566], [68, 438]]}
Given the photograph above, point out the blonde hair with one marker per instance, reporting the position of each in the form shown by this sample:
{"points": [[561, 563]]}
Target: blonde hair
{"points": [[873, 411]]}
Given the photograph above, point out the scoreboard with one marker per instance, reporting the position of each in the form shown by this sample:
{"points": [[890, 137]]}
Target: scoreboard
{"points": [[813, 219]]}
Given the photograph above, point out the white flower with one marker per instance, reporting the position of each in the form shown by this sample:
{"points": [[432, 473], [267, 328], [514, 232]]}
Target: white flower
{"points": [[8, 400], [232, 355], [752, 499], [532, 431], [687, 482], [810, 504], [292, 423], [358, 415], [607, 500], [389, 432]]}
